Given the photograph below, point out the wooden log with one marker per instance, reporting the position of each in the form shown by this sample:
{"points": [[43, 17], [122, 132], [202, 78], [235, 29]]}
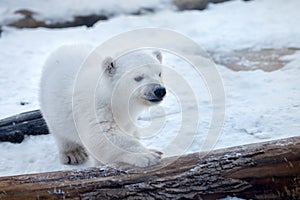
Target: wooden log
{"points": [[269, 170], [13, 129]]}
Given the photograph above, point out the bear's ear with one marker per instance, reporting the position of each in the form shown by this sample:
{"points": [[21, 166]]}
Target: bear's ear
{"points": [[157, 55], [109, 66]]}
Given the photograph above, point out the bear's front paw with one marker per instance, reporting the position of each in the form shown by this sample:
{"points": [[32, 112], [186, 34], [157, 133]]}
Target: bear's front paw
{"points": [[75, 156], [152, 157]]}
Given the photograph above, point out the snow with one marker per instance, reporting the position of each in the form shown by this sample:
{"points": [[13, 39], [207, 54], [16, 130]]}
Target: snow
{"points": [[260, 105], [54, 11]]}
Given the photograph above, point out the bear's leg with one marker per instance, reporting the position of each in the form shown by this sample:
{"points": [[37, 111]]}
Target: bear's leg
{"points": [[71, 152], [120, 149], [147, 158]]}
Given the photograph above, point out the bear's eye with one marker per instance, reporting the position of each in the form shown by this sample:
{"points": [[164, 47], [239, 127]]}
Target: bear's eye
{"points": [[159, 74], [138, 78]]}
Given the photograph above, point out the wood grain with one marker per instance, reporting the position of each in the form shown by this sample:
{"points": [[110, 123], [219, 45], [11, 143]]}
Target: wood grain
{"points": [[267, 170]]}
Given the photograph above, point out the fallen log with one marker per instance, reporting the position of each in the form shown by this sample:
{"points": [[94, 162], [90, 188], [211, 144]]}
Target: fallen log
{"points": [[13, 129], [269, 170]]}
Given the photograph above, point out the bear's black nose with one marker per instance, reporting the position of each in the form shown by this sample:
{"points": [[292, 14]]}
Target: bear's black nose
{"points": [[160, 92]]}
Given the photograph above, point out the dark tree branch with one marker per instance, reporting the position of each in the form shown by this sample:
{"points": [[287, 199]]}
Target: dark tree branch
{"points": [[13, 129]]}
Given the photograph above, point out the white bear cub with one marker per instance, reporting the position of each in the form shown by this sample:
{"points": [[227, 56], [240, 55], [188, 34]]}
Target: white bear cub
{"points": [[137, 77]]}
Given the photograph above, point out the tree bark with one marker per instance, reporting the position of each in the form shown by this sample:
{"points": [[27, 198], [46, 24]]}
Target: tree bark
{"points": [[267, 170], [13, 129]]}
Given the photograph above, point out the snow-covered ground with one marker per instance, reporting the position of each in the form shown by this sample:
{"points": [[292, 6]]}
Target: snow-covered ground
{"points": [[54, 11], [259, 105]]}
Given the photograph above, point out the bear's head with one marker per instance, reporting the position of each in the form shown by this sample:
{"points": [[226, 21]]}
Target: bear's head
{"points": [[137, 78], [136, 82]]}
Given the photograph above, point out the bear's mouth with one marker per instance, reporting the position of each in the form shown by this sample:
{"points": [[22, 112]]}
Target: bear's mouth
{"points": [[155, 95], [155, 100]]}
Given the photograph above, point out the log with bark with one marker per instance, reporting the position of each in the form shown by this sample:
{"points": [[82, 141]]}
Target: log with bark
{"points": [[269, 170], [13, 129]]}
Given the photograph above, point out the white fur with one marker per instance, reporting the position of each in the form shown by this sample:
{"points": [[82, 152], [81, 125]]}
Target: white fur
{"points": [[56, 91]]}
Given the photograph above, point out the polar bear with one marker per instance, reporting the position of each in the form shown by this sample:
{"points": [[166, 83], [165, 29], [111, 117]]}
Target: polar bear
{"points": [[139, 73]]}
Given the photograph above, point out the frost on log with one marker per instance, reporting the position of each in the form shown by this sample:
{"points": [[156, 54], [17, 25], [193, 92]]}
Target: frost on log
{"points": [[268, 170]]}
